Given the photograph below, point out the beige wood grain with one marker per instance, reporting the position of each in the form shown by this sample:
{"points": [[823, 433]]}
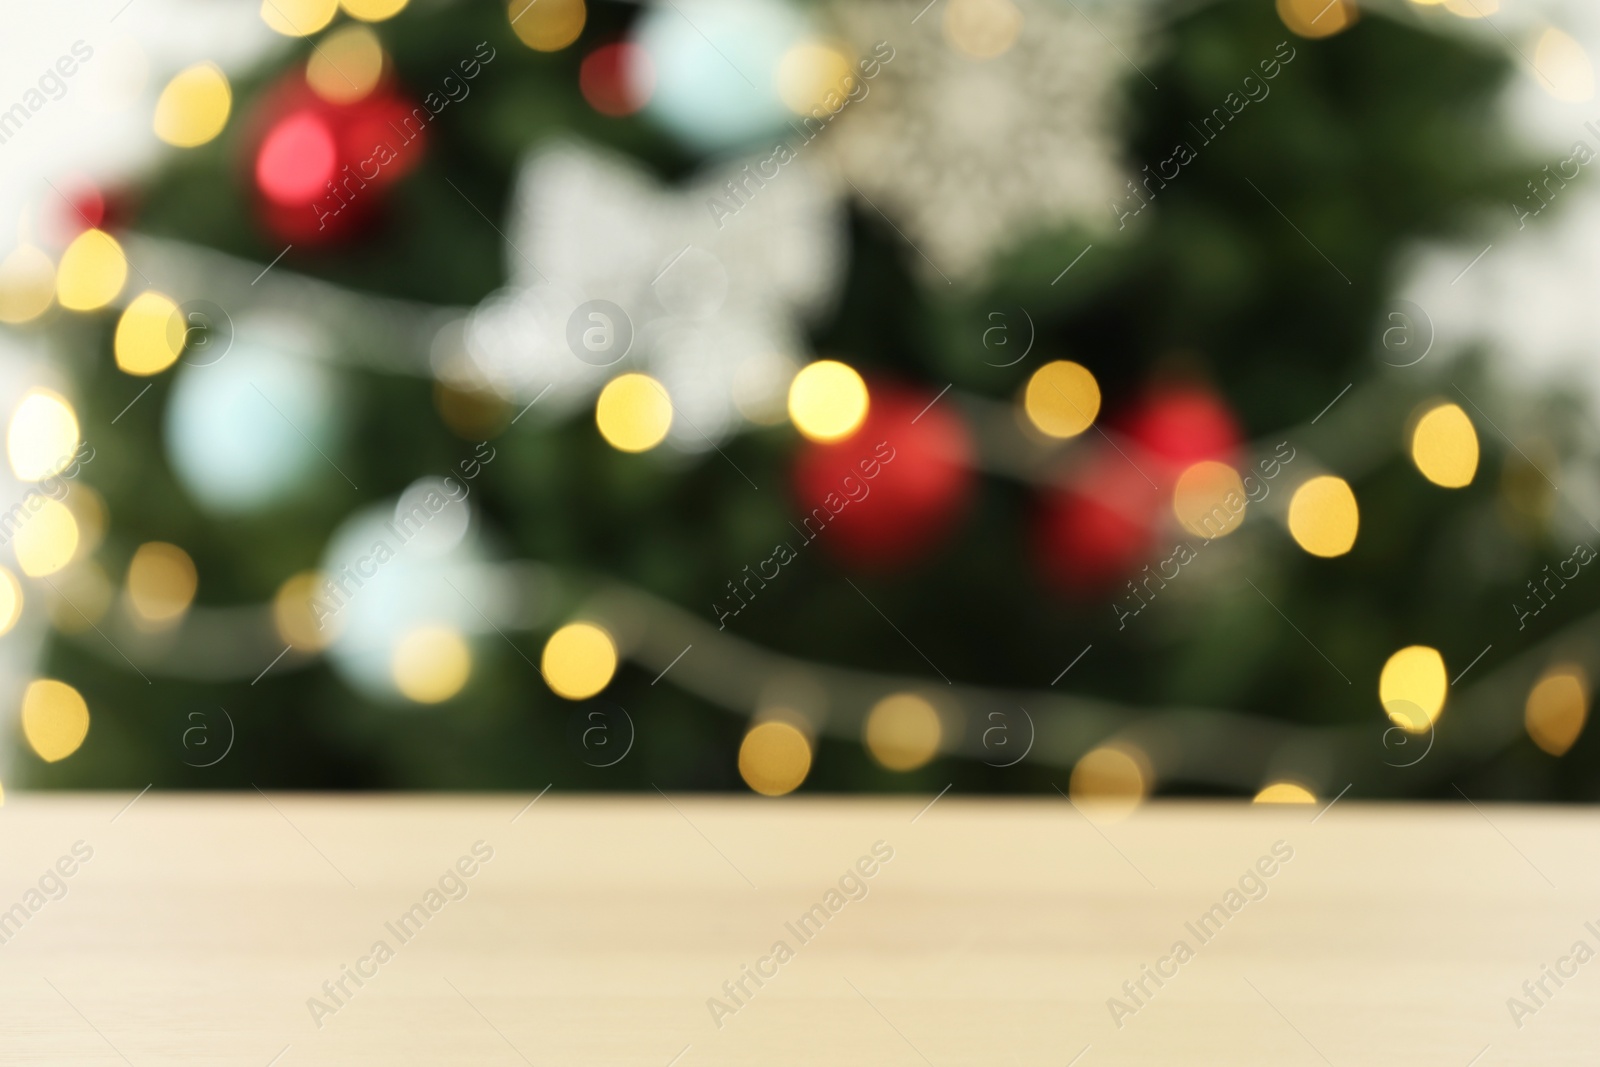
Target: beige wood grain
{"points": [[202, 925]]}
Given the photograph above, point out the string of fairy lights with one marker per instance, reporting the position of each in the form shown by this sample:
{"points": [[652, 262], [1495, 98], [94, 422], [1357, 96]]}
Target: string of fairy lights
{"points": [[904, 723], [903, 729]]}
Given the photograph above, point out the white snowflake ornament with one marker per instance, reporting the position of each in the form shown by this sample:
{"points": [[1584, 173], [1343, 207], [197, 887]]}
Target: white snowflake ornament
{"points": [[994, 119], [612, 271]]}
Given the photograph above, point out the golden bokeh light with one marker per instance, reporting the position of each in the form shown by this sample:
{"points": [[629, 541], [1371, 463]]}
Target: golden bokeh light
{"points": [[1563, 67], [827, 400], [808, 73], [982, 29], [1557, 708], [55, 719], [1444, 446], [579, 660], [1062, 399], [79, 597], [1110, 782], [547, 25], [47, 539], [298, 18], [42, 436], [1323, 516], [1318, 18], [902, 732], [27, 284], [1412, 687], [301, 619], [372, 10], [774, 758], [633, 413], [431, 664], [10, 600], [346, 65], [150, 335], [1209, 499], [194, 106], [161, 582], [1285, 793], [92, 272]]}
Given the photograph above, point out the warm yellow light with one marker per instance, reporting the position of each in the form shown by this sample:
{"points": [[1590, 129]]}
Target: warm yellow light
{"points": [[827, 400], [774, 759], [298, 18], [579, 660], [1109, 782], [92, 273], [346, 65], [1319, 18], [372, 10], [1444, 446], [1412, 687], [547, 25], [982, 29], [27, 284], [10, 600], [634, 412], [1285, 793], [1562, 66], [47, 539], [431, 664], [43, 435], [194, 106], [55, 719], [1323, 517], [150, 335], [161, 582], [302, 617], [1062, 399], [1209, 499], [808, 73], [1557, 708], [902, 732]]}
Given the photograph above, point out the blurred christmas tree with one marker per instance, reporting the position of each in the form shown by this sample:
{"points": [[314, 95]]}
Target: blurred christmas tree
{"points": [[1110, 436]]}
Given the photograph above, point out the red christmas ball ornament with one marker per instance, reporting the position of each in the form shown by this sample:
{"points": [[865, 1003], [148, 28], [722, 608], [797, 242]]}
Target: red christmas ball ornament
{"points": [[1098, 526], [297, 160], [889, 493], [83, 204], [320, 167], [617, 79], [86, 210], [1178, 426], [1101, 523]]}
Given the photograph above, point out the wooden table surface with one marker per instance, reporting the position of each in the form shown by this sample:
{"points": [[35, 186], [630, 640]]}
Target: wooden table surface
{"points": [[197, 929]]}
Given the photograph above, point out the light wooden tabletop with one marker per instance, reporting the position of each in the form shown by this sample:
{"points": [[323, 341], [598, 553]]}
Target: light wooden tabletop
{"points": [[225, 929]]}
